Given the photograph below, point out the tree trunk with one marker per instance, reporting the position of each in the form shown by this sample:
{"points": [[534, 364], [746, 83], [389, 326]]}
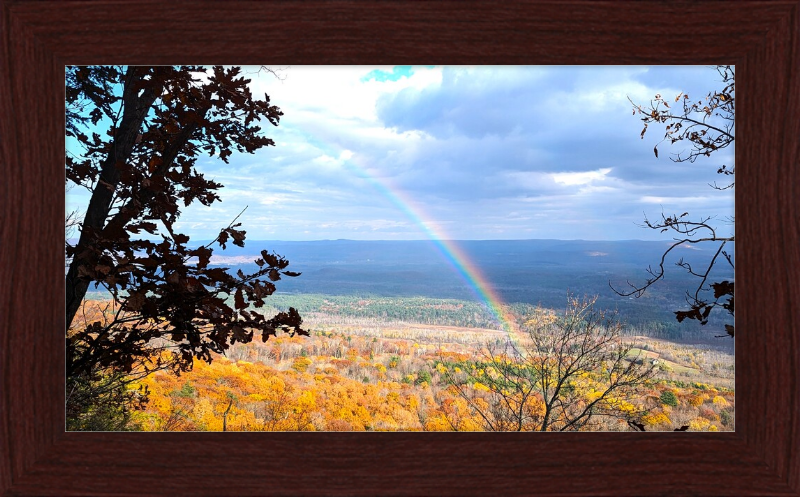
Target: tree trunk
{"points": [[135, 109], [225, 416]]}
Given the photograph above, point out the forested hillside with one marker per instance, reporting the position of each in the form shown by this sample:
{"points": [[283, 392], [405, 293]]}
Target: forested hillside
{"points": [[398, 364], [351, 381]]}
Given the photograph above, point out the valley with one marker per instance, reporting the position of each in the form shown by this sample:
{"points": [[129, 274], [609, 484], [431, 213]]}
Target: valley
{"points": [[401, 340], [378, 372]]}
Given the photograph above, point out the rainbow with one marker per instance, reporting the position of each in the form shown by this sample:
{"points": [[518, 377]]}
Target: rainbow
{"points": [[449, 249]]}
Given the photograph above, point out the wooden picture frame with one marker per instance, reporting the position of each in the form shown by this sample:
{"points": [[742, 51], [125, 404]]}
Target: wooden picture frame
{"points": [[40, 37]]}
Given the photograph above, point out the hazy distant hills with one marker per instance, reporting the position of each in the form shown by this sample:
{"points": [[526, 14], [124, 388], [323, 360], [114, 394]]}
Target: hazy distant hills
{"points": [[482, 252], [530, 271], [519, 271]]}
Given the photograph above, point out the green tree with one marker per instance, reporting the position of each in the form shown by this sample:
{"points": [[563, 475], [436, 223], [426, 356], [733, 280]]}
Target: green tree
{"points": [[707, 125], [138, 132], [668, 398], [102, 401]]}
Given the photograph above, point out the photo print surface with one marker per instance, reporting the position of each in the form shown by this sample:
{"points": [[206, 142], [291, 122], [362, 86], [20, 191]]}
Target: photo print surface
{"points": [[400, 248]]}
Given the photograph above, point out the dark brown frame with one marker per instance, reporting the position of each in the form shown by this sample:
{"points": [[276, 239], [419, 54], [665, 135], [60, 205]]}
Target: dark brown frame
{"points": [[40, 37]]}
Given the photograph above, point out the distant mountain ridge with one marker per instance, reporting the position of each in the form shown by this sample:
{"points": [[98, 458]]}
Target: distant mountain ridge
{"points": [[409, 251], [529, 271], [519, 271]]}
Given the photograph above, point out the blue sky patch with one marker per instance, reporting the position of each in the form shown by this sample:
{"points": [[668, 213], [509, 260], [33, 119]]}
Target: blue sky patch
{"points": [[396, 73]]}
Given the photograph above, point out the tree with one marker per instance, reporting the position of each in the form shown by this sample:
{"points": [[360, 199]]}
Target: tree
{"points": [[569, 372], [140, 130], [668, 398], [708, 126]]}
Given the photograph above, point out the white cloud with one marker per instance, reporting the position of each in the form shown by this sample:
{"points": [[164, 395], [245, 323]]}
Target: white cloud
{"points": [[327, 92], [580, 178], [647, 199]]}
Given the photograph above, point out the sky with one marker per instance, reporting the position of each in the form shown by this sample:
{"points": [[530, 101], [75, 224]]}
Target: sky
{"points": [[461, 153]]}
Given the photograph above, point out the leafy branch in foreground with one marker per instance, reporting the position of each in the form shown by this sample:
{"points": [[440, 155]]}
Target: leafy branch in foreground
{"points": [[138, 133], [708, 126]]}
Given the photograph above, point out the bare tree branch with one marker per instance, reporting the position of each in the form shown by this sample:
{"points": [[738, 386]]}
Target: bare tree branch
{"points": [[693, 126]]}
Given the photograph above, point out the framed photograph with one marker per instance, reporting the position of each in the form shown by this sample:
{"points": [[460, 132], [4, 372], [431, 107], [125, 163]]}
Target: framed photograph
{"points": [[40, 457]]}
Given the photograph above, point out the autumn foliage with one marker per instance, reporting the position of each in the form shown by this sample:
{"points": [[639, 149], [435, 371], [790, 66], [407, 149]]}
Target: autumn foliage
{"points": [[343, 381]]}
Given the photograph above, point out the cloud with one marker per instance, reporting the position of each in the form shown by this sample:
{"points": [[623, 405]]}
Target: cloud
{"points": [[481, 152], [580, 178], [474, 144]]}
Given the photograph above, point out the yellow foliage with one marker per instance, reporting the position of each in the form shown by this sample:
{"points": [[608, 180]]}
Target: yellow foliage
{"points": [[696, 400], [541, 317], [535, 408], [593, 395], [306, 401], [699, 424], [720, 401], [656, 418], [274, 384], [205, 417], [620, 405], [335, 397], [412, 402], [480, 386], [301, 364], [437, 423]]}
